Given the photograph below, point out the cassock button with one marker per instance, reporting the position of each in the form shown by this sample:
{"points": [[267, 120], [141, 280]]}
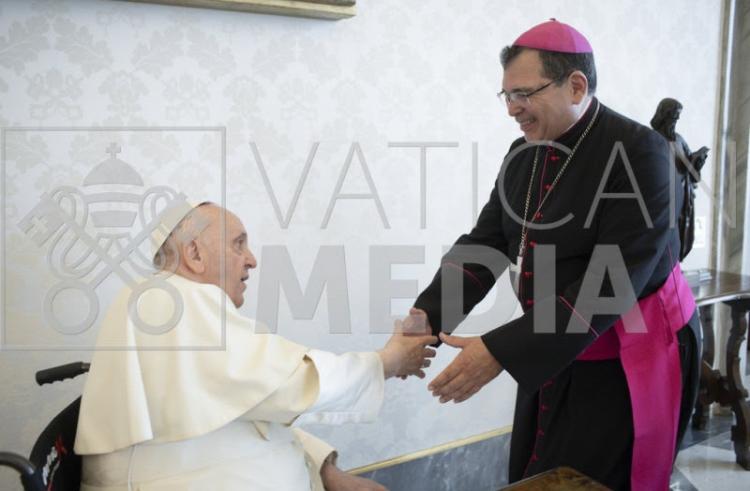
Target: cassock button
{"points": [[547, 187], [529, 302], [532, 243], [554, 158], [528, 274], [538, 215]]}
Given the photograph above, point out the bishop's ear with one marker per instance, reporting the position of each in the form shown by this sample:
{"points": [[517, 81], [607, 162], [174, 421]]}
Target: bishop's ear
{"points": [[579, 86]]}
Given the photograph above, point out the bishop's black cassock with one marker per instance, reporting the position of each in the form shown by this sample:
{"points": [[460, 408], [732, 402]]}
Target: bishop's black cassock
{"points": [[569, 411]]}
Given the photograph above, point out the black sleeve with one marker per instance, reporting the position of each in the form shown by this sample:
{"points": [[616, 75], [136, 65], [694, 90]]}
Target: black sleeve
{"points": [[532, 358], [470, 267]]}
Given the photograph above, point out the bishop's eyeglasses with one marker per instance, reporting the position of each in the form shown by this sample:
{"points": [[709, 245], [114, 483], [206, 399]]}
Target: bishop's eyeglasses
{"points": [[520, 97]]}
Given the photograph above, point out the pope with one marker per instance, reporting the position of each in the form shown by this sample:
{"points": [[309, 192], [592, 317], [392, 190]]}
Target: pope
{"points": [[192, 395]]}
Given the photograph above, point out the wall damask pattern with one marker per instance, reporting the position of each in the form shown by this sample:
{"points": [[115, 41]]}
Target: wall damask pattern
{"points": [[397, 72]]}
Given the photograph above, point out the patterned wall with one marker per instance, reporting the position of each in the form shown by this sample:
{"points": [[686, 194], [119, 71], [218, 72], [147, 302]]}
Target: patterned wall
{"points": [[77, 76]]}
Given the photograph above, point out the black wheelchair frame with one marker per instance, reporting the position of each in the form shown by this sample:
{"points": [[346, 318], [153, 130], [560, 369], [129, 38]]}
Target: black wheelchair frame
{"points": [[52, 464]]}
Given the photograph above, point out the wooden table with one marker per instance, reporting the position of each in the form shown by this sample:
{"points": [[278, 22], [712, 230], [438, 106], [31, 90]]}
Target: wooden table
{"points": [[558, 479], [732, 290]]}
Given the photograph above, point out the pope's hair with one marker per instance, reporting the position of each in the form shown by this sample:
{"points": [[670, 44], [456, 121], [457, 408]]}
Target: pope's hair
{"points": [[187, 229]]}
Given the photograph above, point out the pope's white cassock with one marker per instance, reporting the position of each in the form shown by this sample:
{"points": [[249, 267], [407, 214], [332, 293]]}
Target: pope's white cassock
{"points": [[210, 404]]}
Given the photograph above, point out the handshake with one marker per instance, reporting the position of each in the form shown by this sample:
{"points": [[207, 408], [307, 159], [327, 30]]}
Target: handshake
{"points": [[407, 353]]}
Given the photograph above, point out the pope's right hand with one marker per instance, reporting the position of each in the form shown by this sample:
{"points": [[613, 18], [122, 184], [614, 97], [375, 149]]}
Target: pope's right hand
{"points": [[416, 323], [406, 355]]}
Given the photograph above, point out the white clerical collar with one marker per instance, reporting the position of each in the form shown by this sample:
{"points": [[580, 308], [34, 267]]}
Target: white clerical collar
{"points": [[588, 104]]}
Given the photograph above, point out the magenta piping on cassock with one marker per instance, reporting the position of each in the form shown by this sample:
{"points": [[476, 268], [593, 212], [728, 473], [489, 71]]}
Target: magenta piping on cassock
{"points": [[467, 272]]}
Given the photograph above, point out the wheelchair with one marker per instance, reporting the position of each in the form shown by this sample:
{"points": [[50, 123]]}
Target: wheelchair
{"points": [[52, 465]]}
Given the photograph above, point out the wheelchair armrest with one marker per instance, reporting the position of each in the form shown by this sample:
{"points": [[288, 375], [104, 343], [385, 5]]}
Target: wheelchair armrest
{"points": [[17, 462], [29, 479], [55, 374]]}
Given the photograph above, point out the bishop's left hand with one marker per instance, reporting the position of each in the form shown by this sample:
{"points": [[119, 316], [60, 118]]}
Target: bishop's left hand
{"points": [[469, 371]]}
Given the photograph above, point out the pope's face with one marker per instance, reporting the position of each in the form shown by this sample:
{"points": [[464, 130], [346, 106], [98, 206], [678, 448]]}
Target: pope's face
{"points": [[238, 259], [546, 114]]}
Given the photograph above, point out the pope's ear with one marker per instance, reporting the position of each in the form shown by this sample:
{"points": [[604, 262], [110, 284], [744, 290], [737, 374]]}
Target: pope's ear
{"points": [[579, 85], [192, 258]]}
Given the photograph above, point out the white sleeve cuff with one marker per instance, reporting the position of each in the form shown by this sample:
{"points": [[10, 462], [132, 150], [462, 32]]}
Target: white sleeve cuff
{"points": [[351, 388], [316, 449]]}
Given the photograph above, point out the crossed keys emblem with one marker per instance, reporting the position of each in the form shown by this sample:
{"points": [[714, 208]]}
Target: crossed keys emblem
{"points": [[98, 230]]}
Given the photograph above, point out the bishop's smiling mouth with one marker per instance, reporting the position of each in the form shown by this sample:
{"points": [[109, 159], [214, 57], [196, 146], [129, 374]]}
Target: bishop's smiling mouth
{"points": [[526, 123]]}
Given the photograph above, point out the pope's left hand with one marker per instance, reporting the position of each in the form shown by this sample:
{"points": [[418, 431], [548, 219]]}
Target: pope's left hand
{"points": [[469, 371], [334, 479]]}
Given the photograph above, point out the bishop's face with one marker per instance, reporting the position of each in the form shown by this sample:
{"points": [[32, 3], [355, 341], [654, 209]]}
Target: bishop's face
{"points": [[546, 114]]}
